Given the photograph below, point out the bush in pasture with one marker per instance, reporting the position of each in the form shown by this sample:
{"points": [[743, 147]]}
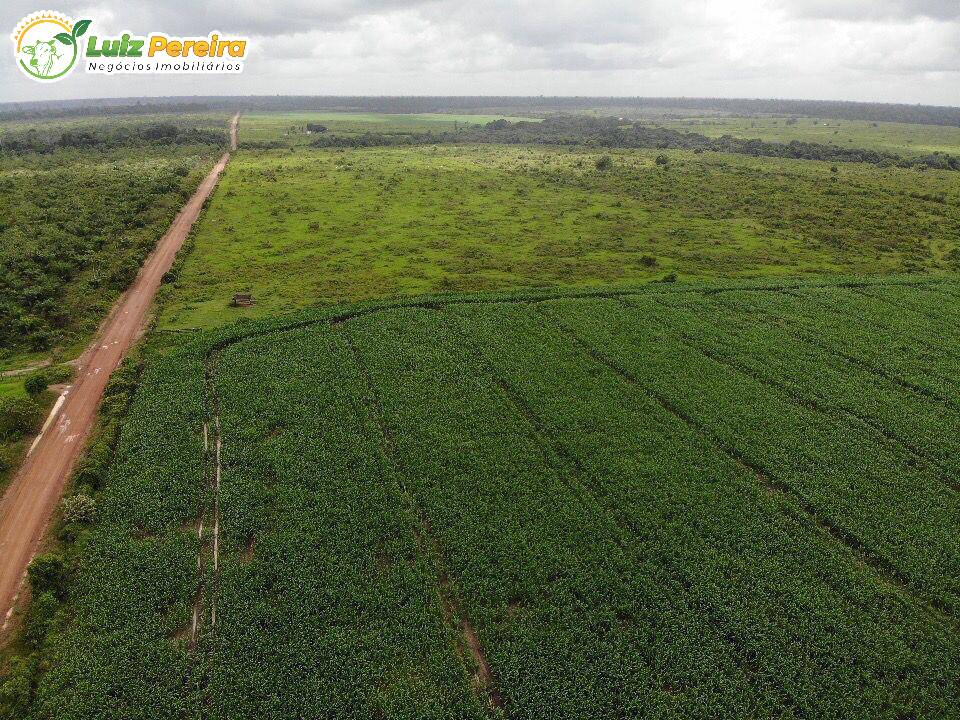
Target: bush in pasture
{"points": [[36, 383]]}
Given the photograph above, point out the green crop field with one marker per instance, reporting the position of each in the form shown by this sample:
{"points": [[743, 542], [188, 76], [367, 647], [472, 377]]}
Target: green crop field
{"points": [[321, 226], [291, 128], [902, 138], [677, 501]]}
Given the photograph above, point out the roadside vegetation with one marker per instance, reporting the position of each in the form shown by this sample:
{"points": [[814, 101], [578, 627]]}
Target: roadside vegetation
{"points": [[483, 506], [25, 400], [82, 203], [33, 641], [20, 417]]}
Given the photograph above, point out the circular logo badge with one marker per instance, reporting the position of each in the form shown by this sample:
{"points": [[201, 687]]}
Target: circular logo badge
{"points": [[46, 45]]}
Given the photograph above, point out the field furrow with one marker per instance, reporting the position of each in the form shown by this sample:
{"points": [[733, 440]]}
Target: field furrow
{"points": [[695, 508], [816, 378], [540, 569], [872, 498], [895, 354], [323, 582]]}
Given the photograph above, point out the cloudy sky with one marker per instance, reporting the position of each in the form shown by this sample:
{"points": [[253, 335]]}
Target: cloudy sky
{"points": [[882, 50]]}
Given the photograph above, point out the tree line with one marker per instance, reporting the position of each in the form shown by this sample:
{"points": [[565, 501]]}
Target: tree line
{"points": [[108, 136], [611, 132], [663, 106]]}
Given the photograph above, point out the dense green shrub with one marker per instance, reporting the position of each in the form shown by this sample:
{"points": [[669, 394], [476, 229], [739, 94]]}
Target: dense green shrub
{"points": [[610, 132], [39, 619], [19, 416], [47, 574], [75, 228], [16, 687], [106, 134], [36, 383]]}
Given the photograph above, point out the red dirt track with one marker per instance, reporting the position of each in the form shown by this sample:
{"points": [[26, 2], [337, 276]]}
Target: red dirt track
{"points": [[33, 494]]}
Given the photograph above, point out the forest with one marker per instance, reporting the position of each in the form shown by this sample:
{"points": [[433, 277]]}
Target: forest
{"points": [[159, 131], [80, 208], [880, 112]]}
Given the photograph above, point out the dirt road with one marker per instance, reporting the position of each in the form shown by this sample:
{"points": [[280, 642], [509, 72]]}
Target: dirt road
{"points": [[33, 494]]}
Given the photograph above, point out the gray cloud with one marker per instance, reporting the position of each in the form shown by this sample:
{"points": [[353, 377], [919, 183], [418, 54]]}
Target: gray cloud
{"points": [[875, 9], [895, 50]]}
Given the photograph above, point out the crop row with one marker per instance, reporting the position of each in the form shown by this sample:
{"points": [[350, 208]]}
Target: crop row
{"points": [[327, 606], [667, 505], [902, 348], [817, 375], [766, 579], [138, 577], [871, 492], [568, 617]]}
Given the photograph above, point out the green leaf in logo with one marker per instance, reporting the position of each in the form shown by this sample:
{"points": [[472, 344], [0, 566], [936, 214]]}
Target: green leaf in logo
{"points": [[64, 38], [81, 27]]}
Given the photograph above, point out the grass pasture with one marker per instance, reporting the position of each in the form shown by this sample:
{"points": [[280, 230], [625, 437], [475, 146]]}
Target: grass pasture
{"points": [[321, 226], [899, 138], [677, 501], [290, 128]]}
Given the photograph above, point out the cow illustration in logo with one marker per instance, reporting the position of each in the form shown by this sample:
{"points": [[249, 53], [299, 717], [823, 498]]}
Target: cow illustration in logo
{"points": [[43, 54], [46, 45]]}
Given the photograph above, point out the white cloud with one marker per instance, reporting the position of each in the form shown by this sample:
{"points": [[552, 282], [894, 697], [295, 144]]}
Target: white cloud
{"points": [[893, 50]]}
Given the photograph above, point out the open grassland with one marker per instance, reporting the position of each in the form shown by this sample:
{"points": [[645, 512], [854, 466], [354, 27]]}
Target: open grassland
{"points": [[291, 128], [673, 502], [899, 138], [320, 226], [11, 387]]}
